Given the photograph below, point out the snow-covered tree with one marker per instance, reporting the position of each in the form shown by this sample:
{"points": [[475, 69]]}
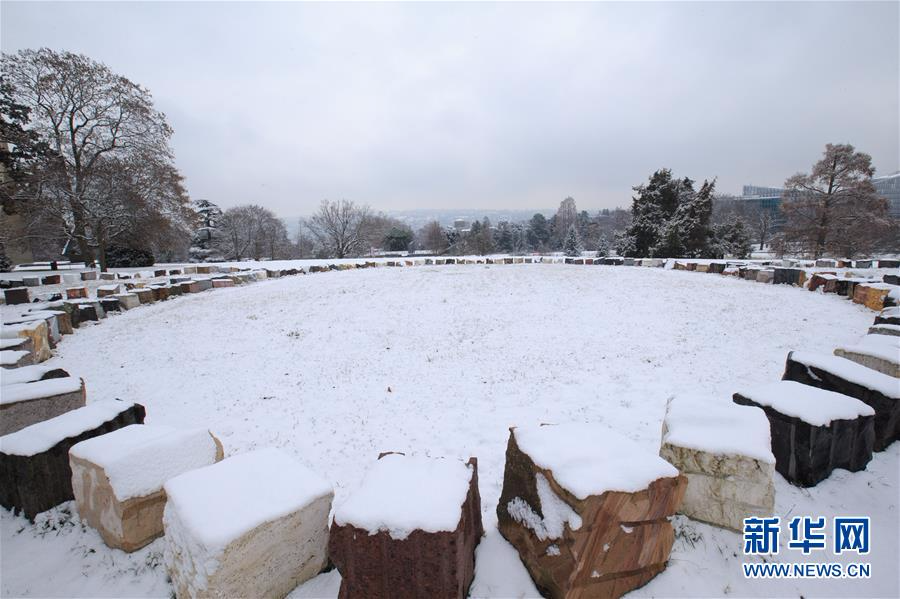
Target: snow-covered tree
{"points": [[205, 241], [733, 239], [572, 243], [603, 247]]}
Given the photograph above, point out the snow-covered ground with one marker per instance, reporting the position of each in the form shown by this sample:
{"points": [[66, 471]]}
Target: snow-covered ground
{"points": [[440, 361]]}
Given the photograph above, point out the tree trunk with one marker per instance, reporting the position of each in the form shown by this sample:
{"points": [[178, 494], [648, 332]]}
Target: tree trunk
{"points": [[101, 247]]}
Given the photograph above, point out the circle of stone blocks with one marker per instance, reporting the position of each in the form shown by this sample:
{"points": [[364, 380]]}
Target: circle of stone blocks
{"points": [[876, 389], [37, 331], [118, 478], [814, 431], [879, 352], [34, 462], [587, 509], [409, 530], [252, 525], [725, 452], [30, 402]]}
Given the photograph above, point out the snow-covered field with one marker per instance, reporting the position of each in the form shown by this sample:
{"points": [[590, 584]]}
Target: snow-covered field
{"points": [[442, 360]]}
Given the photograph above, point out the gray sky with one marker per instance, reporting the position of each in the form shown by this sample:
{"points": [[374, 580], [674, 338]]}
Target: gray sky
{"points": [[491, 105]]}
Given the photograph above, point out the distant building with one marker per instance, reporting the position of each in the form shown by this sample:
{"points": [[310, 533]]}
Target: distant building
{"points": [[888, 187], [461, 224]]}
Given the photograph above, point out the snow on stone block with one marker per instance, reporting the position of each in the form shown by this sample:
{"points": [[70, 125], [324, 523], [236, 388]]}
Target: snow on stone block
{"points": [[217, 283], [889, 316], [879, 352], [885, 329], [118, 478], [877, 390], [16, 295], [15, 358], [587, 509], [30, 402], [189, 287], [37, 331], [34, 462], [253, 525], [725, 451], [814, 431], [410, 530]]}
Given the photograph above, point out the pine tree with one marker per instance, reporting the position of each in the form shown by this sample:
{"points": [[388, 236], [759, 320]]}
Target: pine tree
{"points": [[572, 244], [603, 247], [204, 241]]}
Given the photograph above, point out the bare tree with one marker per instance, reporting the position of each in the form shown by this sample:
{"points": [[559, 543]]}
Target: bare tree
{"points": [[251, 231], [89, 117], [433, 238], [339, 227], [834, 202]]}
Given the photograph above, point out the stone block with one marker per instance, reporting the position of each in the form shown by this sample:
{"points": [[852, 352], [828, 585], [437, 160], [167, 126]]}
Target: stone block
{"points": [[218, 283], [877, 390], [885, 329], [34, 462], [37, 331], [51, 280], [587, 509], [118, 478], [110, 304], [878, 352], [76, 293], [410, 530], [89, 275], [145, 296], [889, 264], [725, 452], [888, 316], [789, 276], [108, 290], [31, 281], [814, 431], [127, 301], [29, 402], [108, 276], [159, 273], [160, 293], [205, 284], [252, 525], [16, 295], [189, 287]]}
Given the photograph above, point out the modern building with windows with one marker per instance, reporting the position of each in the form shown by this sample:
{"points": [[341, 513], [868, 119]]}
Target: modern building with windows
{"points": [[888, 187]]}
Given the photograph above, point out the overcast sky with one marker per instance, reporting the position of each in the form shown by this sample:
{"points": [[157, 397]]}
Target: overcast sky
{"points": [[490, 105]]}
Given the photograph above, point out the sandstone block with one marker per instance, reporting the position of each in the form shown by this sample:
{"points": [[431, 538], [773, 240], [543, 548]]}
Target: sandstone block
{"points": [[29, 402], [118, 478], [253, 525], [145, 296], [725, 452], [108, 290], [813, 431], [76, 292], [37, 331], [219, 283], [410, 530], [587, 509], [34, 461]]}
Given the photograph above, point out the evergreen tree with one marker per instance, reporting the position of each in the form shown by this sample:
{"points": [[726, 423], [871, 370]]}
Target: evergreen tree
{"points": [[504, 237], [206, 236], [538, 231], [733, 239], [603, 247], [572, 244]]}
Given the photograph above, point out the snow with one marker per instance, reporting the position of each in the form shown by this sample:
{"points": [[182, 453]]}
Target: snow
{"points": [[11, 342], [24, 374], [719, 426], [852, 372], [11, 356], [12, 331], [138, 459], [42, 436], [886, 347], [591, 459], [885, 327], [557, 514], [218, 504], [401, 494], [37, 389], [810, 404], [472, 351]]}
